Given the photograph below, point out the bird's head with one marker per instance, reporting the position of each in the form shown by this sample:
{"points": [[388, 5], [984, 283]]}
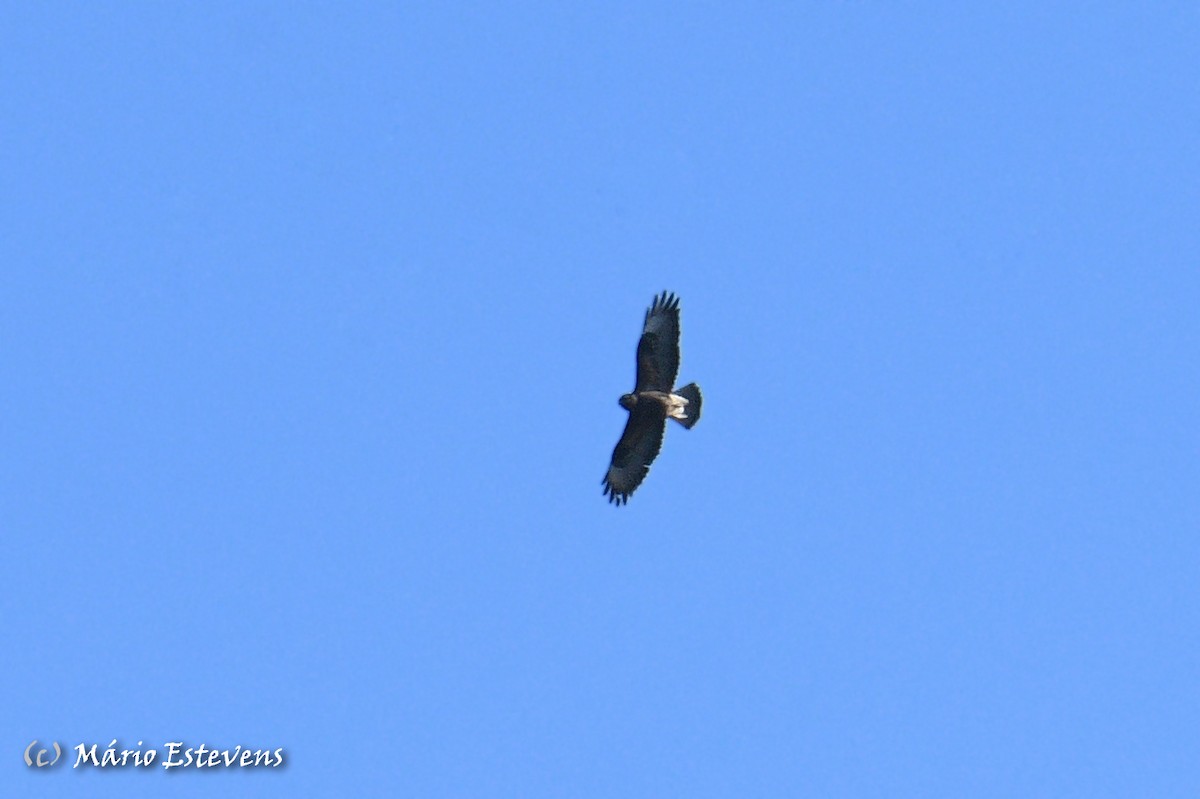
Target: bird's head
{"points": [[628, 401]]}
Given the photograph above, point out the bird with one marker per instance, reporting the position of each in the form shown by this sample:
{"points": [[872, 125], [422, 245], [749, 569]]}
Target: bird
{"points": [[652, 401]]}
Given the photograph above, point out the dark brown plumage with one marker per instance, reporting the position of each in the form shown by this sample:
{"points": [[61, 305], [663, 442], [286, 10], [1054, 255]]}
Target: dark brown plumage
{"points": [[652, 402]]}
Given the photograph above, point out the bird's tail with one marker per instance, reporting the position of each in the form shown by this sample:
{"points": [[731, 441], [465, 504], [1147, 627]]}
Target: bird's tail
{"points": [[691, 393]]}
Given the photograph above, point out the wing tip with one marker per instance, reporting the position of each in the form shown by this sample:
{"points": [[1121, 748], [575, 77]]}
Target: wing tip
{"points": [[665, 302], [615, 497]]}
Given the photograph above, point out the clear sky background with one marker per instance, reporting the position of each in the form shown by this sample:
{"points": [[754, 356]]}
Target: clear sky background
{"points": [[313, 321]]}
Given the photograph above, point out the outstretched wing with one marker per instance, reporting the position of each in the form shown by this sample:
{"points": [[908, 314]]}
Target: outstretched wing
{"points": [[658, 349], [637, 449]]}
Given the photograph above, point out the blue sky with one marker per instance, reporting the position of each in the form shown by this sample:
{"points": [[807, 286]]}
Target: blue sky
{"points": [[314, 321]]}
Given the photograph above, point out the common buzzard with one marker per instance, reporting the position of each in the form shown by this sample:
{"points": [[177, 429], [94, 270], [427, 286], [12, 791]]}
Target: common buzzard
{"points": [[653, 401]]}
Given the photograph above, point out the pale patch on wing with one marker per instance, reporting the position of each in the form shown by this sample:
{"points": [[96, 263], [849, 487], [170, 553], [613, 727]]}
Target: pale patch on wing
{"points": [[656, 323]]}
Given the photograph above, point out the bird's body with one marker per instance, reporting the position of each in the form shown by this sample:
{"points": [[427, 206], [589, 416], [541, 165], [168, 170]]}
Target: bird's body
{"points": [[653, 400], [674, 406]]}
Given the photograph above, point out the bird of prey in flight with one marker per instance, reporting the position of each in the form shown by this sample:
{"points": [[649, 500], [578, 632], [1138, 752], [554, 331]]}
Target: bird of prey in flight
{"points": [[653, 401]]}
